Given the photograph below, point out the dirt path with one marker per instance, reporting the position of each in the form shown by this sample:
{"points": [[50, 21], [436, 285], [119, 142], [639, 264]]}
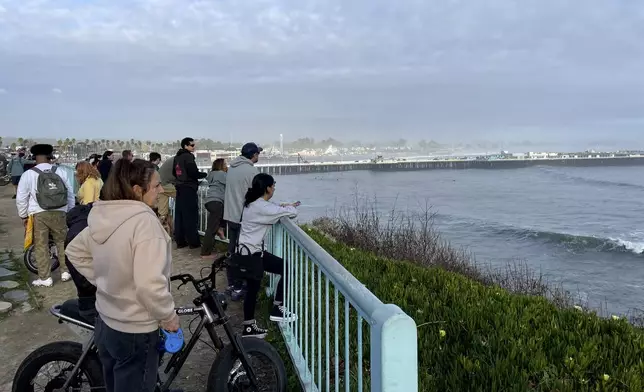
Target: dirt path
{"points": [[21, 333]]}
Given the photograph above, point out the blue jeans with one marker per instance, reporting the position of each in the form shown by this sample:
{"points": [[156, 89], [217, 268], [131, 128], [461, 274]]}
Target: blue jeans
{"points": [[130, 360]]}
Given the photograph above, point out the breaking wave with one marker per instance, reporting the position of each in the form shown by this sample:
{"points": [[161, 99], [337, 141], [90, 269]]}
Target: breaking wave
{"points": [[591, 181], [575, 242]]}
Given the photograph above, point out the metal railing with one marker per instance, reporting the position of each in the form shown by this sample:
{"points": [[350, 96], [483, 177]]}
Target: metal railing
{"points": [[70, 171], [345, 338], [328, 343]]}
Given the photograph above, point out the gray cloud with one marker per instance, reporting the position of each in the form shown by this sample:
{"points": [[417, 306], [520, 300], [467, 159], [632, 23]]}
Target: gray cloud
{"points": [[441, 69]]}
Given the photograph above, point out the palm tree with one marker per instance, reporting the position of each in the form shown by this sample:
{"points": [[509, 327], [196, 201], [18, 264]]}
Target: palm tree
{"points": [[20, 141]]}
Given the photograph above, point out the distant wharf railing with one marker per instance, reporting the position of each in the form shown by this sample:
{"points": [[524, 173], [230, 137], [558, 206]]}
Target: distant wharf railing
{"points": [[345, 338], [403, 164]]}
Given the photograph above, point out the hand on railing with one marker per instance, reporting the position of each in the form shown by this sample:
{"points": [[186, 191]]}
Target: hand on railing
{"points": [[296, 204]]}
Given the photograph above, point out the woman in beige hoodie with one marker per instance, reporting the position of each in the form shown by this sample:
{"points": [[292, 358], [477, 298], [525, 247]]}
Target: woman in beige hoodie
{"points": [[126, 253]]}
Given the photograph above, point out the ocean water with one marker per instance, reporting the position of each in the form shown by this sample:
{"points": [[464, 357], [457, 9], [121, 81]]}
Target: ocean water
{"points": [[581, 227]]}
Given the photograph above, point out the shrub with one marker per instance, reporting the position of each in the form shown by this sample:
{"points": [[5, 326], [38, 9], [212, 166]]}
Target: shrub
{"points": [[480, 337]]}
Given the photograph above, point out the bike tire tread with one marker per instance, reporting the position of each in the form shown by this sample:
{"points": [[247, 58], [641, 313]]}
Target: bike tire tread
{"points": [[219, 371], [57, 351]]}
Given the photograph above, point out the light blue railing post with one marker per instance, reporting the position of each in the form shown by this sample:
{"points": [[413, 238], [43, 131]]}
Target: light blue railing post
{"points": [[393, 350], [339, 364], [70, 170]]}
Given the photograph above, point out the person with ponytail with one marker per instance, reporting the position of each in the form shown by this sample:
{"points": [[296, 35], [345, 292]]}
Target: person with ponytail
{"points": [[125, 252], [258, 215]]}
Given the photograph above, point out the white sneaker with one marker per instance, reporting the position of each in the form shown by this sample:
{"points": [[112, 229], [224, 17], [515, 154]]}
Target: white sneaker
{"points": [[65, 276], [43, 283]]}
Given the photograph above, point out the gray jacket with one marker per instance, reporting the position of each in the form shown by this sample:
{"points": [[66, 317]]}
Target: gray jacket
{"points": [[16, 166], [165, 172], [216, 186], [239, 179]]}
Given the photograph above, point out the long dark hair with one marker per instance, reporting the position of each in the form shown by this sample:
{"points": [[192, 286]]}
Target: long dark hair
{"points": [[123, 176], [261, 183]]}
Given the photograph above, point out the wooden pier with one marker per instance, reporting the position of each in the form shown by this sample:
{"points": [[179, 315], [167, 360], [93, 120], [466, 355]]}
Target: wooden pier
{"points": [[454, 164]]}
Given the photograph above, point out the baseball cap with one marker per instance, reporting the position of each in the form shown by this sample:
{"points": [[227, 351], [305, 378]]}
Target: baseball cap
{"points": [[250, 149]]}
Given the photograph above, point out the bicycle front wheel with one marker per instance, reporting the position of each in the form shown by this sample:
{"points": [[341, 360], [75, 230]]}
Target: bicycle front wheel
{"points": [[228, 375]]}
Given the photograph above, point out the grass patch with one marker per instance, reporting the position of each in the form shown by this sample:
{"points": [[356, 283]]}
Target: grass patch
{"points": [[474, 336]]}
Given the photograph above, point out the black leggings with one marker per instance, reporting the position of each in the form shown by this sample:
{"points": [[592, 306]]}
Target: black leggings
{"points": [[274, 265]]}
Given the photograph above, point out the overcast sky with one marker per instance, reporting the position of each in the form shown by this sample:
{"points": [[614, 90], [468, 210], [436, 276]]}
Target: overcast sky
{"points": [[447, 70]]}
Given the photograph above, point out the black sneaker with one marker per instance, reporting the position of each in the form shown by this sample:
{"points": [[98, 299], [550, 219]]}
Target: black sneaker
{"points": [[281, 315], [254, 331]]}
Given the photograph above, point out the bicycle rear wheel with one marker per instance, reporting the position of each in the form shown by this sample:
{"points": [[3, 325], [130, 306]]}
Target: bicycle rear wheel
{"points": [[30, 258], [228, 375]]}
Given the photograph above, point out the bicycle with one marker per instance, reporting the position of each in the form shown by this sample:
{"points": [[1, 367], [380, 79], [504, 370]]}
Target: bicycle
{"points": [[231, 371], [5, 179]]}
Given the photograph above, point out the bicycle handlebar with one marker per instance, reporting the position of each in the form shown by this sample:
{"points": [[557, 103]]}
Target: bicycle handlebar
{"points": [[201, 285]]}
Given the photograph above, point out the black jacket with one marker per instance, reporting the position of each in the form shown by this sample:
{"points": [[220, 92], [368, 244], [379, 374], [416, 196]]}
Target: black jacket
{"points": [[76, 222], [185, 170], [104, 167]]}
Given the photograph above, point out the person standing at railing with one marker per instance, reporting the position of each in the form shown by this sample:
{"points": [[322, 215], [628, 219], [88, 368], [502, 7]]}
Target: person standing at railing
{"points": [[94, 160], [105, 165], [238, 181], [90, 183], [127, 154], [155, 158], [258, 215], [15, 168], [216, 180], [163, 207], [186, 208]]}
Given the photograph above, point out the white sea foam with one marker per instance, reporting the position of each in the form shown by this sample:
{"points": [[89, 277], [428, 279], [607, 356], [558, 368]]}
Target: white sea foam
{"points": [[635, 247]]}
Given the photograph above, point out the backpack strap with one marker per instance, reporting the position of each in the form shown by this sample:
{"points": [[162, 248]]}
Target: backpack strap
{"points": [[37, 170]]}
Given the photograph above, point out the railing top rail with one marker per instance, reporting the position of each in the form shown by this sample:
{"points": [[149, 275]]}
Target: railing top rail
{"points": [[363, 300]]}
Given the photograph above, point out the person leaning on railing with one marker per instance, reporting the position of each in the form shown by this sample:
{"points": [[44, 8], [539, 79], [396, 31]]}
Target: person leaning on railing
{"points": [[258, 215], [216, 181]]}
